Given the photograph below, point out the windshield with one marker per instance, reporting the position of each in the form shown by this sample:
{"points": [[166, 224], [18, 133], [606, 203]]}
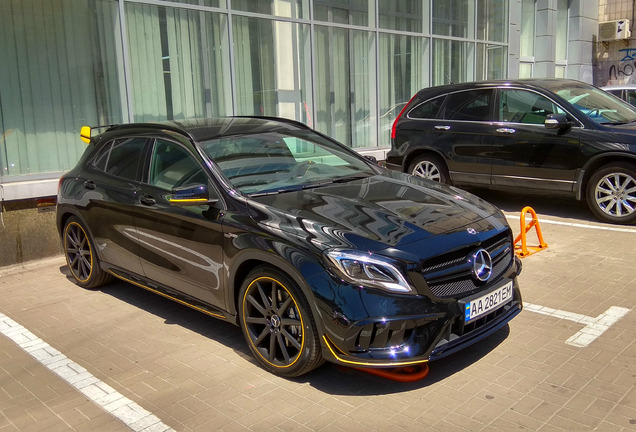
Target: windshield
{"points": [[275, 162], [596, 104]]}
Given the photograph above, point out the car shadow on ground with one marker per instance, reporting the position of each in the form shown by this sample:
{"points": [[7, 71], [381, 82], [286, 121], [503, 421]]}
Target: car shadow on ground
{"points": [[329, 378], [553, 206], [174, 313]]}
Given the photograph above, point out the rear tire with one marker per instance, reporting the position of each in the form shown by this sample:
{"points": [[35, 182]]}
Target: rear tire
{"points": [[429, 167], [611, 193], [81, 256], [277, 323]]}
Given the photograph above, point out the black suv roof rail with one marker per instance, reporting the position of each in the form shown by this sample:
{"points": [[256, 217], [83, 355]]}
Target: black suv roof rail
{"points": [[279, 120]]}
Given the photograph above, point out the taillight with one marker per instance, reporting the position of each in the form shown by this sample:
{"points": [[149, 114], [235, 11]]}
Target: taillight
{"points": [[400, 115]]}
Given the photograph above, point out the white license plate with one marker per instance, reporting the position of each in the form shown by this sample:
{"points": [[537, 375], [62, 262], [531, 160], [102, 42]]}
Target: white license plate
{"points": [[488, 302]]}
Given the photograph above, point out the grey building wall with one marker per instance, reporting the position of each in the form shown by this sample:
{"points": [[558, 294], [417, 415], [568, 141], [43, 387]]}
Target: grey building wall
{"points": [[583, 18], [616, 60]]}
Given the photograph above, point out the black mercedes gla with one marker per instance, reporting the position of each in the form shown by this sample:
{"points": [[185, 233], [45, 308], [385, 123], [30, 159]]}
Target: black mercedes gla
{"points": [[314, 251]]}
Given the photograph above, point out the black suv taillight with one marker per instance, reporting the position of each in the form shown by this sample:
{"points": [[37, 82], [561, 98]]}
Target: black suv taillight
{"points": [[400, 115]]}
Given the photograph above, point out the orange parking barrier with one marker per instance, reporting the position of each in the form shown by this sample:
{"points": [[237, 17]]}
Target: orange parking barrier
{"points": [[402, 374], [524, 250]]}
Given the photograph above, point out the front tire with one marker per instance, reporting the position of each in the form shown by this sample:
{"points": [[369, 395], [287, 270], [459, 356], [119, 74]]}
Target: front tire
{"points": [[611, 193], [277, 323], [81, 256], [429, 167]]}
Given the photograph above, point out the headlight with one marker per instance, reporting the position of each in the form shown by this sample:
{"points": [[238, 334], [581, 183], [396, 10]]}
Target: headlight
{"points": [[363, 269]]}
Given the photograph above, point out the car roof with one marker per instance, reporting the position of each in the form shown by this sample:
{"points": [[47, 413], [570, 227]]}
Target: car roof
{"points": [[202, 129], [619, 87], [537, 83]]}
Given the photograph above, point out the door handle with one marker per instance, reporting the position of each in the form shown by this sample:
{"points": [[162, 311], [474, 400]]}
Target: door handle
{"points": [[89, 184], [442, 127], [506, 130], [147, 200]]}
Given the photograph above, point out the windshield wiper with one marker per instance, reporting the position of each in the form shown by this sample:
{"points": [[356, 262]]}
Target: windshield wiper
{"points": [[309, 185], [350, 178], [285, 189]]}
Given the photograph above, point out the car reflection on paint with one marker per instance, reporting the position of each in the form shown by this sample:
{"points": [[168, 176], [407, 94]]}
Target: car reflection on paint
{"points": [[315, 252]]}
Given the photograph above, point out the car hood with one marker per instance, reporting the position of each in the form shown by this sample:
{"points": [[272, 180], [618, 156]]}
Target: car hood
{"points": [[620, 137], [389, 210]]}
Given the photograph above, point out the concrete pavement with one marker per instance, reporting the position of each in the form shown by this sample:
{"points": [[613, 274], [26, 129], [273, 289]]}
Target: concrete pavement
{"points": [[194, 373]]}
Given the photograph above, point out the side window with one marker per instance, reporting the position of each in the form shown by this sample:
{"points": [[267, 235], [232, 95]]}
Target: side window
{"points": [[101, 158], [172, 166], [121, 158], [428, 109], [473, 105], [631, 96], [522, 106]]}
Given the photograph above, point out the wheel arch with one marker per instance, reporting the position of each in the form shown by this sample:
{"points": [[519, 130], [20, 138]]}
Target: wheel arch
{"points": [[64, 214], [595, 164], [63, 217], [250, 260]]}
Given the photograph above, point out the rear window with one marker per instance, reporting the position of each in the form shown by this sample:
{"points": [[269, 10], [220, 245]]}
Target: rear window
{"points": [[428, 109], [121, 158], [472, 105]]}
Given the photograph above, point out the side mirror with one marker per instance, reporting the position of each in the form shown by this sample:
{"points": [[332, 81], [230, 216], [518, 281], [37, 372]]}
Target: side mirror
{"points": [[556, 121], [190, 195], [371, 159]]}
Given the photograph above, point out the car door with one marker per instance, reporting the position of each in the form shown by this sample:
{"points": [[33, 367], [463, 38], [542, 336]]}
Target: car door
{"points": [[463, 135], [109, 189], [181, 247], [527, 154]]}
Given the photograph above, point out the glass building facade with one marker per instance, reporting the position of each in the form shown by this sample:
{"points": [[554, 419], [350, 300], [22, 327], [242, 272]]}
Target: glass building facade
{"points": [[343, 67]]}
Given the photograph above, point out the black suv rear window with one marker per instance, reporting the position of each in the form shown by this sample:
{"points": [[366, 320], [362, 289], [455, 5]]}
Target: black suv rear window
{"points": [[472, 105], [428, 109]]}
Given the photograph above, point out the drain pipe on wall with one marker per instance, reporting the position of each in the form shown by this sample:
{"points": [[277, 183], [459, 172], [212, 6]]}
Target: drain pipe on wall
{"points": [[2, 205]]}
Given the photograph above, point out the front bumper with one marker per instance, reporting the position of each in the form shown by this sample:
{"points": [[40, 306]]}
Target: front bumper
{"points": [[412, 339], [393, 166]]}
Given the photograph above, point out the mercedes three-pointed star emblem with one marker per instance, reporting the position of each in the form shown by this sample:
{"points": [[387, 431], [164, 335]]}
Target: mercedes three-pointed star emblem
{"points": [[482, 265]]}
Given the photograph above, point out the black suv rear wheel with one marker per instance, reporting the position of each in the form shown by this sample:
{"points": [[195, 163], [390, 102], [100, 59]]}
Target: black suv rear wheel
{"points": [[429, 167]]}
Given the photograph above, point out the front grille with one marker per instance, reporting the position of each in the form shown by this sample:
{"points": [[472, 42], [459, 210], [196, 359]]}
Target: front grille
{"points": [[450, 275]]}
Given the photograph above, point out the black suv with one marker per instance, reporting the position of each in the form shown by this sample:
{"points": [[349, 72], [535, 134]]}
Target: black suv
{"points": [[314, 251], [546, 136]]}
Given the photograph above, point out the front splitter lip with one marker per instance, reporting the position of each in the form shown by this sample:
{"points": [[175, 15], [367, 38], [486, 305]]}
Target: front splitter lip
{"points": [[344, 359]]}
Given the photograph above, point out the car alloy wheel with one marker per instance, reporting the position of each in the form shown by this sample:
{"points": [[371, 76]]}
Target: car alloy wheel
{"points": [[612, 193], [277, 325], [80, 256], [429, 167]]}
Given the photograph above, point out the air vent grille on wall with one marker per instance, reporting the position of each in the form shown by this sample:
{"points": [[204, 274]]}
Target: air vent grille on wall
{"points": [[614, 30]]}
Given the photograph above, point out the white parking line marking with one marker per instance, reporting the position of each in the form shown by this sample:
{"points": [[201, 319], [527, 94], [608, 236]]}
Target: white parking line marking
{"points": [[594, 327], [577, 225], [113, 402]]}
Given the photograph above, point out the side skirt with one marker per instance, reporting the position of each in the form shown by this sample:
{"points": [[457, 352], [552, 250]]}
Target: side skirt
{"points": [[174, 296]]}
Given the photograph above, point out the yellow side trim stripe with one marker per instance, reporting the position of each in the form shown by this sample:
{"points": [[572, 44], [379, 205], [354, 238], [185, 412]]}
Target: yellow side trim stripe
{"points": [[188, 200], [167, 296]]}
